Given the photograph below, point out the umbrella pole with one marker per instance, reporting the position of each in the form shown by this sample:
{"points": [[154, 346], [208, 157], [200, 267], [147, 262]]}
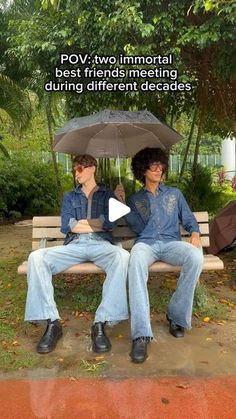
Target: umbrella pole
{"points": [[118, 160]]}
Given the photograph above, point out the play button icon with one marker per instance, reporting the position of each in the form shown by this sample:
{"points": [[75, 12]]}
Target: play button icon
{"points": [[116, 209]]}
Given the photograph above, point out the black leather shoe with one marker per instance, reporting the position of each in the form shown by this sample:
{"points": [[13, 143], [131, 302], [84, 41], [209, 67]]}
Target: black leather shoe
{"points": [[174, 329], [51, 335], [138, 352], [100, 342]]}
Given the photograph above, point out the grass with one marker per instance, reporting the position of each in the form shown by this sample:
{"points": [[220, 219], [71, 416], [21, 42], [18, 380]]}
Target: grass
{"points": [[12, 300], [204, 303], [11, 360], [93, 367], [81, 294], [207, 305]]}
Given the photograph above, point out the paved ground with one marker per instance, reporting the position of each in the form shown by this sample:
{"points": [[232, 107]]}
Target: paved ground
{"points": [[163, 398]]}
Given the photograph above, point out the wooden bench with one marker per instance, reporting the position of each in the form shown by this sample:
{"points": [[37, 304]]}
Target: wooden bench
{"points": [[46, 233]]}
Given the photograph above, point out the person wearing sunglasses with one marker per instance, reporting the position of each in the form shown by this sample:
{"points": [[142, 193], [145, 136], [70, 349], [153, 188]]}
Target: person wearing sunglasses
{"points": [[84, 220], [157, 211]]}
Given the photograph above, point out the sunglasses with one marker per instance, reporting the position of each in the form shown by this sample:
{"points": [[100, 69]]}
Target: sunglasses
{"points": [[80, 167], [157, 166]]}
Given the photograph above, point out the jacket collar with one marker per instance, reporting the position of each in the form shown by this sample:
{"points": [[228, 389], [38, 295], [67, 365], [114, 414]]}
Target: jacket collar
{"points": [[161, 188], [101, 188]]}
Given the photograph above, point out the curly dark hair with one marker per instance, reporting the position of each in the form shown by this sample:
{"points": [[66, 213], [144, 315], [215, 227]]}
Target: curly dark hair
{"points": [[142, 160]]}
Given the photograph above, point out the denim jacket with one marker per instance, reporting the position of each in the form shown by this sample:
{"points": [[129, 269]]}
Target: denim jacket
{"points": [[75, 206], [159, 218]]}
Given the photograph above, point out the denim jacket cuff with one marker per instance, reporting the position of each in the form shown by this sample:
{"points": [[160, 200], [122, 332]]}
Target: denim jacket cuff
{"points": [[106, 224]]}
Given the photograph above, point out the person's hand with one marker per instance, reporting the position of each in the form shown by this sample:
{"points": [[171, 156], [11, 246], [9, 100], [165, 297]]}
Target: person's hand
{"points": [[195, 239], [120, 193]]}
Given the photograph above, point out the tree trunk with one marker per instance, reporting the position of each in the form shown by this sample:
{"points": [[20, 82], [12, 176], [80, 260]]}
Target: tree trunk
{"points": [[188, 144], [198, 142], [172, 117], [50, 133]]}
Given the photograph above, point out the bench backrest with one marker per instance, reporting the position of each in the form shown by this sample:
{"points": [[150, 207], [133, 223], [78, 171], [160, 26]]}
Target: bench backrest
{"points": [[49, 228]]}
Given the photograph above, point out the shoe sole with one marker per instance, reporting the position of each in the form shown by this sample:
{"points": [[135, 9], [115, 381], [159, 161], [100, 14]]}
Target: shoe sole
{"points": [[98, 351], [181, 336], [169, 320], [138, 361], [47, 351]]}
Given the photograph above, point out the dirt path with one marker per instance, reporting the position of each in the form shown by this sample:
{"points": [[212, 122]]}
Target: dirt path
{"points": [[15, 239]]}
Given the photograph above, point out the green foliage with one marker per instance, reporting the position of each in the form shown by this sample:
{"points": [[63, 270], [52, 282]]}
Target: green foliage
{"points": [[28, 187], [17, 359], [108, 173], [227, 193], [159, 298], [210, 143], [227, 8], [200, 35], [12, 301], [201, 192], [93, 367], [88, 295], [206, 304], [14, 101]]}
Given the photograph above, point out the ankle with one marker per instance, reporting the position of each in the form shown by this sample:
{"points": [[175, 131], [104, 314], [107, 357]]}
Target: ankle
{"points": [[143, 339], [55, 322]]}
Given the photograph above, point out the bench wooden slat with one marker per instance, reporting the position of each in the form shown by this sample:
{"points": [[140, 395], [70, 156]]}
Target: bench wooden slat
{"points": [[126, 244], [47, 232], [36, 244], [54, 232], [55, 220], [127, 232], [210, 263]]}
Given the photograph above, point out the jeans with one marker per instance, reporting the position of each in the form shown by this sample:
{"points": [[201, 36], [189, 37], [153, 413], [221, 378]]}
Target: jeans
{"points": [[43, 263], [180, 306]]}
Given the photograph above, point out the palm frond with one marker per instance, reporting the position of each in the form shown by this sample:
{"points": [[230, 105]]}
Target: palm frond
{"points": [[4, 151], [14, 101]]}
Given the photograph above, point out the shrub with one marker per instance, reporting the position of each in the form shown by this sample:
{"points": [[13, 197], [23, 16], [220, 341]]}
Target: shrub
{"points": [[203, 193], [28, 187]]}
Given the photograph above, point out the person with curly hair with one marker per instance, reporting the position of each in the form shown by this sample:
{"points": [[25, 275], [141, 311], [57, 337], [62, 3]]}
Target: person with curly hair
{"points": [[157, 211]]}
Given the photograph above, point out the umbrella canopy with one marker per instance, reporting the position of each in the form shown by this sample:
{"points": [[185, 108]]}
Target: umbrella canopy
{"points": [[223, 228], [111, 133]]}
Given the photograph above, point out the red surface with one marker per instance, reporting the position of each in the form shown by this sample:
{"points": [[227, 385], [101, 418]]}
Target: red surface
{"points": [[164, 398]]}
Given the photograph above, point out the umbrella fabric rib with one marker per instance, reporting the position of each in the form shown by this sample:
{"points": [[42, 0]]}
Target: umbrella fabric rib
{"points": [[102, 133]]}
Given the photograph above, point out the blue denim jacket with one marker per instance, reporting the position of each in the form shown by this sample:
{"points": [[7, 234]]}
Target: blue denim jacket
{"points": [[159, 218], [75, 205]]}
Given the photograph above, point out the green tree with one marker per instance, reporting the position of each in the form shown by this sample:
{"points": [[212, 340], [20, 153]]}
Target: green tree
{"points": [[202, 44], [14, 99], [37, 60], [16, 103]]}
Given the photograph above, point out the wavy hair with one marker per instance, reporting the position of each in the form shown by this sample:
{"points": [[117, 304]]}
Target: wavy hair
{"points": [[142, 160]]}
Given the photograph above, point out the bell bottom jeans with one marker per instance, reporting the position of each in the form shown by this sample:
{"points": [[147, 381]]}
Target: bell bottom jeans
{"points": [[180, 306], [43, 263]]}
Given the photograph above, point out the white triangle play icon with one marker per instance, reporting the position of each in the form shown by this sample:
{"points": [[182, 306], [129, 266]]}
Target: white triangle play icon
{"points": [[116, 209]]}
